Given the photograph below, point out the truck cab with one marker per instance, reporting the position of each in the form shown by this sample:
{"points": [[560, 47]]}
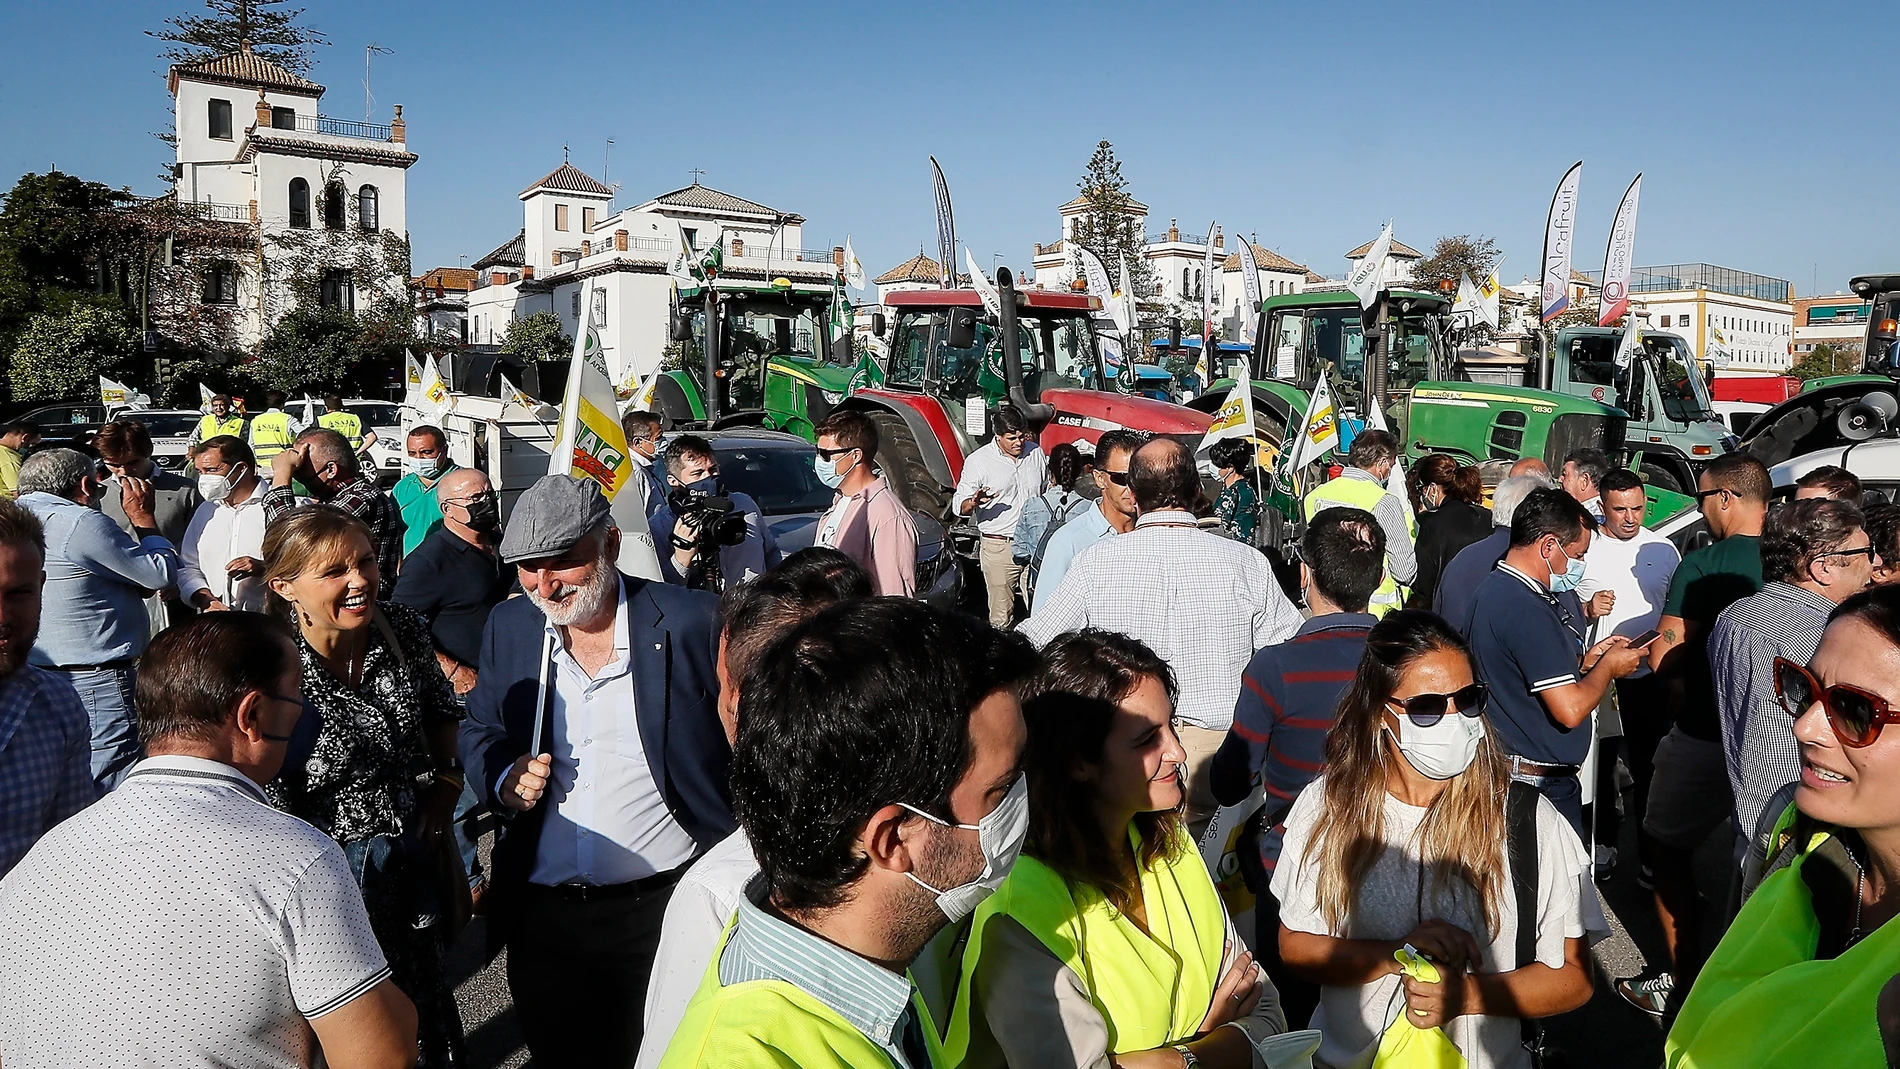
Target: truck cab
{"points": [[1673, 421]]}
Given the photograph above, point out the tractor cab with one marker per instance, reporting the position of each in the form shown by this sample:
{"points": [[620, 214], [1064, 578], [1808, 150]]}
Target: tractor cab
{"points": [[770, 361], [943, 344], [1672, 417], [1307, 335], [1883, 323]]}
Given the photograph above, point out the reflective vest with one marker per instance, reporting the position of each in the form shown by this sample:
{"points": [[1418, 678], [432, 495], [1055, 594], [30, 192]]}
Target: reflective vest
{"points": [[209, 427], [347, 424], [770, 1024], [1763, 1000], [1361, 494], [270, 434], [1153, 990]]}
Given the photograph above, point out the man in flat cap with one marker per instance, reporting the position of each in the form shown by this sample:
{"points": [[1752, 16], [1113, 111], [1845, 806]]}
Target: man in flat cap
{"points": [[625, 786]]}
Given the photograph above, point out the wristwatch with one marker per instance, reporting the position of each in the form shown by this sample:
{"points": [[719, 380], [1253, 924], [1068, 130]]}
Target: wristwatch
{"points": [[1188, 1059]]}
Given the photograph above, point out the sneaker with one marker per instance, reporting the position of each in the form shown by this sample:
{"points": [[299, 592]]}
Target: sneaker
{"points": [[1605, 860], [1651, 996], [1645, 878]]}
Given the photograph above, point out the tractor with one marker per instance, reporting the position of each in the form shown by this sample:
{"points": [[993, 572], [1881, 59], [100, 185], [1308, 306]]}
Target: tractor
{"points": [[950, 363], [769, 359]]}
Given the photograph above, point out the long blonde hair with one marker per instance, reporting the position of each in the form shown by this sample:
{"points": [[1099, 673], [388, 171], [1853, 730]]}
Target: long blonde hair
{"points": [[1462, 838], [304, 537]]}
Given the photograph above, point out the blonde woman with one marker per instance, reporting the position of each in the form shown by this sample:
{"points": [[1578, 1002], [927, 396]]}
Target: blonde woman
{"points": [[373, 762], [1402, 841]]}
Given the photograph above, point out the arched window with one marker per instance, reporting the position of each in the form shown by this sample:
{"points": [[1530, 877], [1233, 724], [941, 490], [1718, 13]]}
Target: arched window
{"points": [[366, 214], [299, 204], [333, 198], [1187, 282]]}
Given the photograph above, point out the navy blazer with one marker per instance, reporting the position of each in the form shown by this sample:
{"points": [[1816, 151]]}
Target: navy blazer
{"points": [[673, 640]]}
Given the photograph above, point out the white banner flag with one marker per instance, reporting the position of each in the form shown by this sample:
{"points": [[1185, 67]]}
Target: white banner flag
{"points": [[1631, 346], [1233, 419], [591, 445], [992, 301], [1318, 432], [853, 270], [1488, 299], [1620, 258], [1094, 274], [1559, 229], [1368, 278], [1130, 316], [1250, 291], [114, 393]]}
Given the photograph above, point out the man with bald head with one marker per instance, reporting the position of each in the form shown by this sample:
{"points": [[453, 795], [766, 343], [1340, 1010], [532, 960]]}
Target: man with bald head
{"points": [[322, 461], [1203, 601], [1530, 466]]}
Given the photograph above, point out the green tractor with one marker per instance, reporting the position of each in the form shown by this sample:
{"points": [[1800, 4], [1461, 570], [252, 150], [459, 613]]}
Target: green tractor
{"points": [[769, 358]]}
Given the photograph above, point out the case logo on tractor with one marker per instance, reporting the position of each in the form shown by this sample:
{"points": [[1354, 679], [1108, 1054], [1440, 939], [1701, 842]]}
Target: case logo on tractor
{"points": [[1070, 419]]}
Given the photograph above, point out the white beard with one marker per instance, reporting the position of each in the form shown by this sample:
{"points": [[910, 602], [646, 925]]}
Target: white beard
{"points": [[585, 602]]}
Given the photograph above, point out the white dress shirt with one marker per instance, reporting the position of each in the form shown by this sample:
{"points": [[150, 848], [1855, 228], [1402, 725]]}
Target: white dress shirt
{"points": [[696, 917], [218, 534], [1203, 602], [1638, 572], [607, 821], [1013, 481]]}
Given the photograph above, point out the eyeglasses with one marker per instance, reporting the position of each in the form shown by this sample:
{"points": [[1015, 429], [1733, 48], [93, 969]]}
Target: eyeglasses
{"points": [[1867, 551], [1701, 495], [1426, 710], [1855, 715], [1119, 478], [828, 454]]}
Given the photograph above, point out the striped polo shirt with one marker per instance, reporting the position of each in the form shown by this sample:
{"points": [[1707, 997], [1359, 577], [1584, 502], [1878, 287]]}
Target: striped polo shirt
{"points": [[1289, 696]]}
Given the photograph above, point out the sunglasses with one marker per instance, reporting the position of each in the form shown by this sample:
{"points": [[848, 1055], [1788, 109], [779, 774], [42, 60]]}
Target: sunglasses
{"points": [[1701, 495], [828, 454], [1426, 710], [1119, 478], [1855, 715], [1864, 551]]}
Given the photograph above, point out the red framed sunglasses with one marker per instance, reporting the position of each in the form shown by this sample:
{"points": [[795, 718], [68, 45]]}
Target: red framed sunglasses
{"points": [[1855, 715]]}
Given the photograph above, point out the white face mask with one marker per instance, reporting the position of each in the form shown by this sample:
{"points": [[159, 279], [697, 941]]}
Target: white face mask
{"points": [[1443, 750], [1001, 837], [424, 467], [215, 488]]}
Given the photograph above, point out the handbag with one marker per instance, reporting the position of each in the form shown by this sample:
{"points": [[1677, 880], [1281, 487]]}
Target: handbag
{"points": [[439, 859]]}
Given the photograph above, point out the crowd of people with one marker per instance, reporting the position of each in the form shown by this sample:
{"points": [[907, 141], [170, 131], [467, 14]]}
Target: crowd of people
{"points": [[772, 810]]}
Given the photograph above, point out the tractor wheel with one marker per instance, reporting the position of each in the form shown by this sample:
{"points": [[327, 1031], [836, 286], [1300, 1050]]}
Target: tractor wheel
{"points": [[900, 456], [1662, 478]]}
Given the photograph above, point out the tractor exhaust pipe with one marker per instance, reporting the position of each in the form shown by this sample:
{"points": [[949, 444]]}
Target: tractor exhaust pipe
{"points": [[1037, 414], [714, 384]]}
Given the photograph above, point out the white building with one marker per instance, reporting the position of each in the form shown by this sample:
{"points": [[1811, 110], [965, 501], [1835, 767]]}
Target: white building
{"points": [[325, 200], [1738, 321], [568, 240], [1400, 260], [920, 272], [442, 303]]}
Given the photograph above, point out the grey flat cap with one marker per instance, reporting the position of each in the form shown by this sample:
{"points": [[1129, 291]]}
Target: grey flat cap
{"points": [[552, 515]]}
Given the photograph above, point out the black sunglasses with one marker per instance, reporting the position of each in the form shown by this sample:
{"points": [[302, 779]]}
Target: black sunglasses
{"points": [[838, 452], [1867, 551], [1855, 715], [1119, 478], [1700, 495], [1425, 710]]}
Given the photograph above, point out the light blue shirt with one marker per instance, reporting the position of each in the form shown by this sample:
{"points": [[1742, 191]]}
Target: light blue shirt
{"points": [[97, 578], [1081, 532]]}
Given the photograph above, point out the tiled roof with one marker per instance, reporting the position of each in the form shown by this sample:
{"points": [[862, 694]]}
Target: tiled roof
{"points": [[512, 253], [919, 268], [569, 179], [1267, 259], [1399, 249], [1314, 278], [244, 68], [1135, 207], [1581, 279], [706, 198], [449, 278]]}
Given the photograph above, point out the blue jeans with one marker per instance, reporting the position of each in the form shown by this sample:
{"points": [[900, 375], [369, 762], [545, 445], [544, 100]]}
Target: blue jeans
{"points": [[107, 695], [1564, 792]]}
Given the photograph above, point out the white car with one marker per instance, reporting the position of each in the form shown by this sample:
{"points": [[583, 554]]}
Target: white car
{"points": [[383, 417], [170, 429], [1876, 461]]}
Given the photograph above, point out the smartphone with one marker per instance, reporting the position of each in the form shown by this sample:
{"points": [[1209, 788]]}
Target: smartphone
{"points": [[1645, 638]]}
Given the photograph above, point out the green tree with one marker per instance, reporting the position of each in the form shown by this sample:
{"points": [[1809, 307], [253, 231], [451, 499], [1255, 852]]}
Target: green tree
{"points": [[308, 348], [537, 337], [1824, 360], [1454, 257], [61, 355], [269, 28], [1108, 226]]}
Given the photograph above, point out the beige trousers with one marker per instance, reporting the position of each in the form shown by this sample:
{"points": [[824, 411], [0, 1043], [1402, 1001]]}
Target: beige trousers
{"points": [[1200, 744], [1000, 573]]}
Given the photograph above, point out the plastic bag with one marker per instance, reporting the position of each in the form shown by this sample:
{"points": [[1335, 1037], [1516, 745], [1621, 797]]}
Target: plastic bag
{"points": [[1405, 1046]]}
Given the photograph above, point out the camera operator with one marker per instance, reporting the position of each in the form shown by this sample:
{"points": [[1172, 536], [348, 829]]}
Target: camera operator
{"points": [[708, 538]]}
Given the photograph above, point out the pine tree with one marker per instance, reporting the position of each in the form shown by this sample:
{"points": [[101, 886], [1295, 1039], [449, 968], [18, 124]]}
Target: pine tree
{"points": [[269, 28], [1106, 226]]}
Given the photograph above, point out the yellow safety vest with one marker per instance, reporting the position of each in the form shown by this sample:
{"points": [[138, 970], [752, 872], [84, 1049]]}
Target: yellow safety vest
{"points": [[1153, 990], [770, 1024], [270, 434], [347, 424], [209, 427], [1360, 494], [1763, 1000]]}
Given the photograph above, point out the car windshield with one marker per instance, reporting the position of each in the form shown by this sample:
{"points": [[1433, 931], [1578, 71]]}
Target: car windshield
{"points": [[166, 424], [376, 413], [1685, 396], [781, 479]]}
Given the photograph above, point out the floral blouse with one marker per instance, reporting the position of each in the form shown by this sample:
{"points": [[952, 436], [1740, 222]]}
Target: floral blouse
{"points": [[1236, 508], [357, 780]]}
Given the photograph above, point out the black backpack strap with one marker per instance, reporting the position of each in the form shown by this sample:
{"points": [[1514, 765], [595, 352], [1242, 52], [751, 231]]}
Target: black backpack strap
{"points": [[1520, 823]]}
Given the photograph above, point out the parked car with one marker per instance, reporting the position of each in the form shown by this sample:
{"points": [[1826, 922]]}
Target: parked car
{"points": [[1876, 462], [63, 423], [777, 470], [170, 429], [383, 417]]}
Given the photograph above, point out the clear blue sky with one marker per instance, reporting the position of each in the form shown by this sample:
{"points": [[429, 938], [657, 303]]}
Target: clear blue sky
{"points": [[1307, 124]]}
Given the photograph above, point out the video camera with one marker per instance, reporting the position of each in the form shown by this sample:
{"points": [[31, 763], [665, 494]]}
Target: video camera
{"points": [[715, 520]]}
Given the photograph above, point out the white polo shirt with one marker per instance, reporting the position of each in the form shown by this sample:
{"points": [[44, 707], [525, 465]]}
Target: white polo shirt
{"points": [[1638, 572], [180, 921]]}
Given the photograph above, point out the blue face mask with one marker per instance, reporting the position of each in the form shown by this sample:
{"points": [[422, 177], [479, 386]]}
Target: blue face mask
{"points": [[828, 473], [1571, 576], [709, 485]]}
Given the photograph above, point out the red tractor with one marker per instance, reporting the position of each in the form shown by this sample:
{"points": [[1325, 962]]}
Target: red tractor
{"points": [[932, 410]]}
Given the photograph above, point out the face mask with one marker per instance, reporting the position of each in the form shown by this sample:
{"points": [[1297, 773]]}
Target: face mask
{"points": [[828, 473], [1572, 575], [423, 467], [484, 512], [1000, 835], [215, 488], [709, 485], [1443, 750]]}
